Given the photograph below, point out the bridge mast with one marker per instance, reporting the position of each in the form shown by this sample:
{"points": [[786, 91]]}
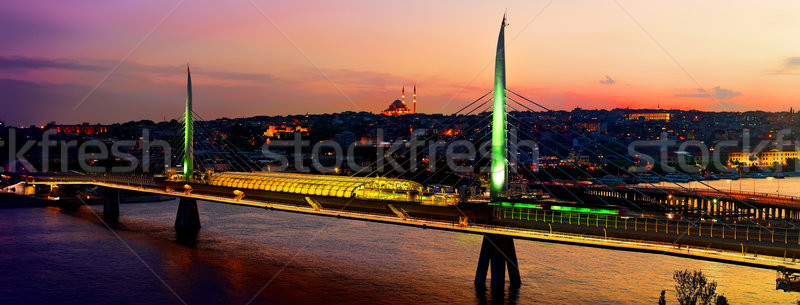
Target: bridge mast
{"points": [[499, 167], [188, 131]]}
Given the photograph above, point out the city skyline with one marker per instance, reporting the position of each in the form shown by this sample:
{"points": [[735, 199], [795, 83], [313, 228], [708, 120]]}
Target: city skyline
{"points": [[292, 60]]}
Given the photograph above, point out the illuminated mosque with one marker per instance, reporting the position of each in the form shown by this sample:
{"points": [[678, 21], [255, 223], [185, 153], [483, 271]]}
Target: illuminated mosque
{"points": [[399, 107]]}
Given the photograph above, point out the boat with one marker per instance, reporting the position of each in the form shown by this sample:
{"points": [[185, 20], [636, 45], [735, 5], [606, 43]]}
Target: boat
{"points": [[776, 175], [675, 177], [787, 281], [611, 180], [631, 179], [729, 176], [649, 179], [758, 175]]}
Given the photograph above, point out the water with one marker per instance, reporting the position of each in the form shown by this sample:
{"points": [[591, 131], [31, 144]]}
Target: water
{"points": [[48, 255]]}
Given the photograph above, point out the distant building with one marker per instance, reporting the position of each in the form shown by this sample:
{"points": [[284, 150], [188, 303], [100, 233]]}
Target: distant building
{"points": [[399, 107], [396, 108], [761, 159], [650, 116], [591, 126], [682, 157], [85, 129], [284, 131], [578, 159]]}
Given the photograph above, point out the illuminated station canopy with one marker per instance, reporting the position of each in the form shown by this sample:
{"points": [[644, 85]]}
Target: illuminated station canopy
{"points": [[318, 185]]}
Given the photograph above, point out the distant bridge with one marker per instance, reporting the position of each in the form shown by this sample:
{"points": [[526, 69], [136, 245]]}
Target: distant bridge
{"points": [[721, 204]]}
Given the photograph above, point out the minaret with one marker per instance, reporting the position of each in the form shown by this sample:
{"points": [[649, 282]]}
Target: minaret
{"points": [[499, 167], [188, 131], [415, 98], [403, 95]]}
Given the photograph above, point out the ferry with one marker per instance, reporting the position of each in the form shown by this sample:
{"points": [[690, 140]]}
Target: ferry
{"points": [[787, 281], [675, 177], [649, 179], [729, 176], [611, 180]]}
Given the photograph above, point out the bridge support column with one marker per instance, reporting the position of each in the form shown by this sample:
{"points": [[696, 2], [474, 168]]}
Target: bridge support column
{"points": [[188, 218], [500, 252], [111, 206]]}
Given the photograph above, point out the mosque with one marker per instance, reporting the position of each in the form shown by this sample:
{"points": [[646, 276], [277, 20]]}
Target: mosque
{"points": [[399, 107]]}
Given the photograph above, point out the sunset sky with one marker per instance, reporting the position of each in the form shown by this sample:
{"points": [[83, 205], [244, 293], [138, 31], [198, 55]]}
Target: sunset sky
{"points": [[332, 56]]}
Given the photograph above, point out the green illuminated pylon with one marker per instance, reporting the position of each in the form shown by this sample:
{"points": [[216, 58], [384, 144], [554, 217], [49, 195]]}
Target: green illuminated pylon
{"points": [[188, 131], [499, 169]]}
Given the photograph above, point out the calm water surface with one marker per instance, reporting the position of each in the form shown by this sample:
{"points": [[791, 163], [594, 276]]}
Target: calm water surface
{"points": [[49, 255]]}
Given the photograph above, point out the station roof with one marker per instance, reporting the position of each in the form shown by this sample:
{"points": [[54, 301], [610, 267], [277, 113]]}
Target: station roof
{"points": [[308, 184]]}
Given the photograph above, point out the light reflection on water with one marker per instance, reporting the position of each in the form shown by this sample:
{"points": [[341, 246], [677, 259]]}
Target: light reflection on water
{"points": [[49, 255]]}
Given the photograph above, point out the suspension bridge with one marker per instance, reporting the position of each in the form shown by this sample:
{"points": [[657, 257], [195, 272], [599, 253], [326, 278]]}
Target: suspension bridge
{"points": [[710, 224]]}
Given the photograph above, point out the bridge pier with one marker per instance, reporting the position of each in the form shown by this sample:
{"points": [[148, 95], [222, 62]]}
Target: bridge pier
{"points": [[500, 252], [111, 206], [188, 218]]}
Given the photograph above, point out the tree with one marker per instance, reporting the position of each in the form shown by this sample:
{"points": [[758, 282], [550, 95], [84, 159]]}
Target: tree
{"points": [[791, 165], [721, 300], [692, 288]]}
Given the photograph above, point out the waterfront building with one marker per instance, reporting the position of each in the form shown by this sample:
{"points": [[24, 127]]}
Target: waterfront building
{"points": [[761, 159]]}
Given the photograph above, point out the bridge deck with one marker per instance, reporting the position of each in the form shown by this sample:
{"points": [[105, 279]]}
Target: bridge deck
{"points": [[734, 257]]}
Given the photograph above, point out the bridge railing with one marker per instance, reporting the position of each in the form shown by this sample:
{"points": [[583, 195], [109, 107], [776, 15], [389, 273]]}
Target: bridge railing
{"points": [[654, 245], [611, 240], [129, 180]]}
